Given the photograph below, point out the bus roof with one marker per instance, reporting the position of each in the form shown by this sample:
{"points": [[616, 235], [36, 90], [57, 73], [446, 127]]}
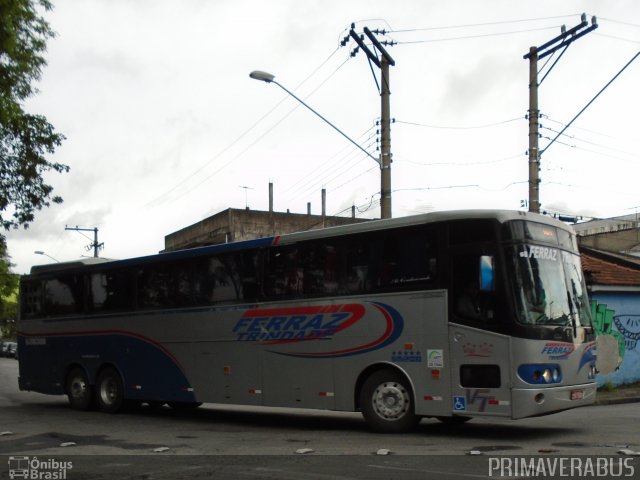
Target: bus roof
{"points": [[290, 238]]}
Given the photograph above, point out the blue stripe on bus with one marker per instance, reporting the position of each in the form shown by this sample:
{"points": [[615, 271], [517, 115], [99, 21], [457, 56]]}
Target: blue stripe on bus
{"points": [[149, 370]]}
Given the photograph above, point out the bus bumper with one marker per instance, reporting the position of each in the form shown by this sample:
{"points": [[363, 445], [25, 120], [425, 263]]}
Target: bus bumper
{"points": [[532, 402]]}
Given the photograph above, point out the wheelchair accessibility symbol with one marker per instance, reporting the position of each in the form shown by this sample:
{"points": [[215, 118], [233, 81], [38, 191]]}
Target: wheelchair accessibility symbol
{"points": [[459, 404]]}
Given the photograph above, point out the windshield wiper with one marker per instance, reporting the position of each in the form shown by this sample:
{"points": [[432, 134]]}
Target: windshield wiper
{"points": [[572, 315]]}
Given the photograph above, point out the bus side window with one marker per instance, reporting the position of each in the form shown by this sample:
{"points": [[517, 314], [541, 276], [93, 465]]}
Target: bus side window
{"points": [[31, 298], [249, 275], [284, 275], [409, 259], [358, 265], [473, 287], [163, 285], [63, 295], [111, 291], [320, 268]]}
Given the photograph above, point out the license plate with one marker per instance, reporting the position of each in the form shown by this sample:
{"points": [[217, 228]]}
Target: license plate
{"points": [[577, 394]]}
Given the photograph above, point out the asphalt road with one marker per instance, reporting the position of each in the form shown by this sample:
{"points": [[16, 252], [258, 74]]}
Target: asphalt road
{"points": [[219, 441]]}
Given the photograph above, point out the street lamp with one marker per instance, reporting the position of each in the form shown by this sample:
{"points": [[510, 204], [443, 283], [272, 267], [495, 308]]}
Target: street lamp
{"points": [[269, 78], [40, 252]]}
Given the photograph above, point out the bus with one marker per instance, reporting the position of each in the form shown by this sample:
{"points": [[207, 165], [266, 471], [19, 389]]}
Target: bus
{"points": [[448, 315]]}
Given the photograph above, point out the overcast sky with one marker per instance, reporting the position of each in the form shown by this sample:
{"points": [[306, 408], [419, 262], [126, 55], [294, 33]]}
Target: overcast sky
{"points": [[164, 126]]}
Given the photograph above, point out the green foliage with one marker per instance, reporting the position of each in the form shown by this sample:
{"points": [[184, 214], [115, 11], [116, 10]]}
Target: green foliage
{"points": [[25, 138], [8, 294], [608, 387]]}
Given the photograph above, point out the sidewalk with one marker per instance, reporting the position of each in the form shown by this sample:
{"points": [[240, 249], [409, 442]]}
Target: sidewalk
{"points": [[622, 394]]}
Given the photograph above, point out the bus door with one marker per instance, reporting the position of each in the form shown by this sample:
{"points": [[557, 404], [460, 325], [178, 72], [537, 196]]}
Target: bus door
{"points": [[480, 357]]}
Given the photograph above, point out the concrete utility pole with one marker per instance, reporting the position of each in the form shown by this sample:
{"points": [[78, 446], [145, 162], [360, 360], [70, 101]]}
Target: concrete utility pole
{"points": [[385, 112], [536, 53], [95, 245], [534, 135], [385, 142]]}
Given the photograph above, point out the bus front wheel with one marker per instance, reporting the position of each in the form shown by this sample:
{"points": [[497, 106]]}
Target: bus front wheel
{"points": [[79, 390], [109, 391], [386, 402]]}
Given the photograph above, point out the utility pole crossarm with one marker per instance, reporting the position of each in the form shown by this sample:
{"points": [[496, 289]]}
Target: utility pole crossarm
{"points": [[383, 62], [95, 245], [362, 45], [379, 46], [536, 53]]}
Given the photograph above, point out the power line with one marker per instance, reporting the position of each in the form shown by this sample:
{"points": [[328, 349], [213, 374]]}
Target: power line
{"points": [[591, 101], [448, 127], [460, 164], [468, 37], [353, 178], [590, 142], [453, 187], [485, 24], [327, 165], [164, 195], [615, 37], [242, 152], [629, 24], [577, 128]]}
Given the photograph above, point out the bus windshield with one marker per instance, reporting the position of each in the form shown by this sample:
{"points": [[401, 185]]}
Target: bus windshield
{"points": [[549, 286]]}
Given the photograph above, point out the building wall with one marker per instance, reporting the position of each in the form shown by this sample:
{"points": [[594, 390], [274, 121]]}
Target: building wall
{"points": [[238, 224], [615, 241], [622, 319]]}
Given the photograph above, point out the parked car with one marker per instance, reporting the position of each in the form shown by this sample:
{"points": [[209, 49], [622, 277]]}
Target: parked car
{"points": [[9, 349]]}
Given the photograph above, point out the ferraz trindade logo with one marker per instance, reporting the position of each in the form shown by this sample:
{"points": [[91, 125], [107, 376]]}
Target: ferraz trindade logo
{"points": [[38, 469]]}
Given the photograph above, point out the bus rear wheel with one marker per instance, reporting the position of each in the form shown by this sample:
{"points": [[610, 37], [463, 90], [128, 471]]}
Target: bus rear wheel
{"points": [[386, 402], [109, 391], [79, 390]]}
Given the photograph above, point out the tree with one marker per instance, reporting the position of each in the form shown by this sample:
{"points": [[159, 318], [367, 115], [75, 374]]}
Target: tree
{"points": [[8, 294], [25, 138]]}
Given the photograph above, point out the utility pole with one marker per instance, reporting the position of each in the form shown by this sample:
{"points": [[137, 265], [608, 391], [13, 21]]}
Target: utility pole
{"points": [[536, 53], [95, 245], [383, 64], [385, 141], [534, 135]]}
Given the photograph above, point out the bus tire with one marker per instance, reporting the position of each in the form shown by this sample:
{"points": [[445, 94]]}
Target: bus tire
{"points": [[79, 390], [387, 403], [109, 391]]}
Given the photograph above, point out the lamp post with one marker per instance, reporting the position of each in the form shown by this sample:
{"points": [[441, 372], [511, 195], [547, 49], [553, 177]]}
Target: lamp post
{"points": [[269, 78], [40, 252]]}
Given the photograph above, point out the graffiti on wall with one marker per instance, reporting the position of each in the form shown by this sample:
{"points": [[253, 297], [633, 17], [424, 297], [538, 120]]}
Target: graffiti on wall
{"points": [[629, 328], [618, 338], [603, 319]]}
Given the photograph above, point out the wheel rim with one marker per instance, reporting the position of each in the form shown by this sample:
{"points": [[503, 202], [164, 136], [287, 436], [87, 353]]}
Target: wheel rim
{"points": [[109, 391], [78, 388], [391, 400]]}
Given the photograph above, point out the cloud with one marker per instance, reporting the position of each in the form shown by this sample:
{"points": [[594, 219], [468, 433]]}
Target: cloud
{"points": [[480, 88]]}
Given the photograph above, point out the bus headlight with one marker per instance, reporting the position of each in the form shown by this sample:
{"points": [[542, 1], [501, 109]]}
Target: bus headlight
{"points": [[540, 374]]}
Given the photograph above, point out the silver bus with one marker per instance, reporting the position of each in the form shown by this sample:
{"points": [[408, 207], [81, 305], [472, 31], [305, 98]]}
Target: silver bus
{"points": [[447, 315]]}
